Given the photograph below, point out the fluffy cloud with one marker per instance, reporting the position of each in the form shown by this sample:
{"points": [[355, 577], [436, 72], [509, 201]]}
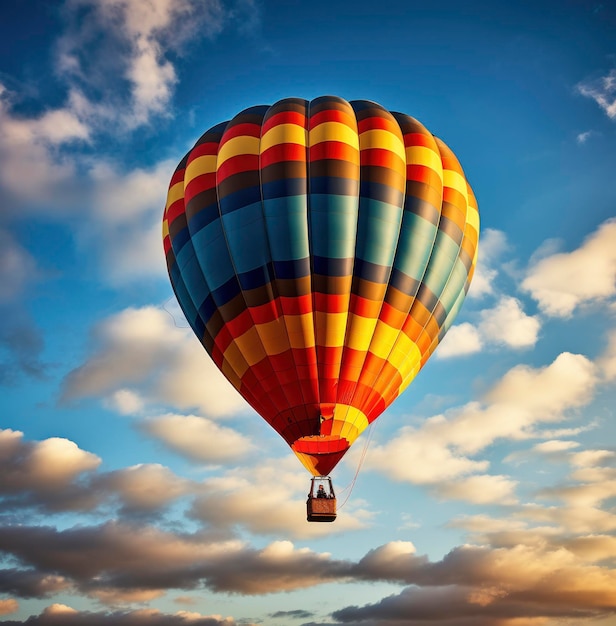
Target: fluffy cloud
{"points": [[144, 348], [44, 472], [603, 91], [505, 324], [563, 281], [268, 499], [441, 449], [144, 487], [115, 559], [8, 605], [480, 489], [460, 339], [62, 615], [199, 438]]}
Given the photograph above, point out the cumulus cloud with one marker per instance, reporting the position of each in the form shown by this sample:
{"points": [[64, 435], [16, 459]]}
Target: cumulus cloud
{"points": [[8, 605], [441, 450], [142, 351], [113, 560], [144, 487], [199, 438], [139, 36], [505, 324], [246, 498], [63, 615], [564, 281], [480, 489], [44, 472], [603, 91], [460, 340]]}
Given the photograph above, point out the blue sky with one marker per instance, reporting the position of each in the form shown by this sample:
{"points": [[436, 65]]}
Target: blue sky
{"points": [[136, 487]]}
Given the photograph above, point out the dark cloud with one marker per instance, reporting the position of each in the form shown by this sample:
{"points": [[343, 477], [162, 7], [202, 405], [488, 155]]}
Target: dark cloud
{"points": [[59, 615], [296, 614], [459, 606], [118, 558]]}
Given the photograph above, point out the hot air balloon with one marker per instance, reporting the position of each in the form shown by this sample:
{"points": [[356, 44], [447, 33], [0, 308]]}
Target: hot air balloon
{"points": [[320, 250]]}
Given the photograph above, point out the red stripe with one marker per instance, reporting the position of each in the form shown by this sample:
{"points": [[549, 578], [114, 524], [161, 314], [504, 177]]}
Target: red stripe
{"points": [[283, 152], [236, 165], [330, 115], [334, 150], [284, 117], [239, 130]]}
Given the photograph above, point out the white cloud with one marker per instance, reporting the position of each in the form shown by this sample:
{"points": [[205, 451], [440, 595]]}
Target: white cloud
{"points": [[563, 281], [555, 446], [199, 438], [143, 352], [460, 340], [440, 451], [480, 489], [145, 486], [269, 499], [584, 137], [51, 464], [603, 91], [507, 324]]}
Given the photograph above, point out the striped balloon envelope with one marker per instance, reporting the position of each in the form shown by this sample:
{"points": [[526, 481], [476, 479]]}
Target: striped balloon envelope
{"points": [[320, 250]]}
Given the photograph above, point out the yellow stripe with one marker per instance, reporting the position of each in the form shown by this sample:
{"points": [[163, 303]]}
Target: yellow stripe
{"points": [[383, 340], [284, 133], [300, 330], [165, 228], [330, 328], [404, 355], [234, 365], [333, 131], [243, 144], [420, 155], [174, 194], [361, 331], [250, 346], [472, 217], [409, 377], [384, 139], [205, 164], [455, 180], [273, 336]]}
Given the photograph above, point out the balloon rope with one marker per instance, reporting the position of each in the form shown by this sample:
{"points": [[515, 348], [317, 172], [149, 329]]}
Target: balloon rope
{"points": [[350, 486]]}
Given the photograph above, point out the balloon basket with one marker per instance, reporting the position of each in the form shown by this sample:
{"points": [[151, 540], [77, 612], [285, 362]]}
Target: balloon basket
{"points": [[321, 503]]}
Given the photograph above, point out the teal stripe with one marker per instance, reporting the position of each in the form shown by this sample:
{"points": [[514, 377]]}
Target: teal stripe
{"points": [[247, 238], [415, 245], [441, 262], [454, 286], [333, 225], [286, 221], [213, 254], [377, 231]]}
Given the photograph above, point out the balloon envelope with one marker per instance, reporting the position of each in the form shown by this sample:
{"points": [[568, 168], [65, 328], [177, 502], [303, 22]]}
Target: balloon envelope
{"points": [[320, 250]]}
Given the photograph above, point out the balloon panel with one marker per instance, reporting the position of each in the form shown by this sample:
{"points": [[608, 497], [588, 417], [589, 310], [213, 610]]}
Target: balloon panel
{"points": [[320, 250]]}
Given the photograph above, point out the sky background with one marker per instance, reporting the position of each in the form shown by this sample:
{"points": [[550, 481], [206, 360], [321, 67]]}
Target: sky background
{"points": [[136, 487]]}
